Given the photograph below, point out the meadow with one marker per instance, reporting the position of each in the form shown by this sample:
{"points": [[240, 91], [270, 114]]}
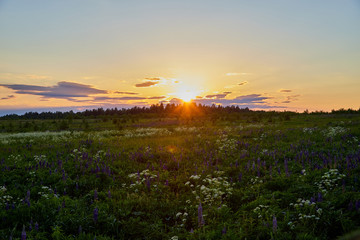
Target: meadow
{"points": [[275, 177]]}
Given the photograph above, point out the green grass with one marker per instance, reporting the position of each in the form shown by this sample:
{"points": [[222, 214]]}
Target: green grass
{"points": [[255, 180]]}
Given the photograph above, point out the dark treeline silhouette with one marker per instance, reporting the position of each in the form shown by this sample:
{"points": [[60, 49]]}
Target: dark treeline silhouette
{"points": [[159, 110]]}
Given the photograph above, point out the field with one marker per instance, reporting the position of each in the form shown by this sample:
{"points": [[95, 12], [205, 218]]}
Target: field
{"points": [[292, 177]]}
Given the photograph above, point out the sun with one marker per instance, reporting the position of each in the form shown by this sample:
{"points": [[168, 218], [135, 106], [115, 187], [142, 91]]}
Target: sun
{"points": [[186, 95]]}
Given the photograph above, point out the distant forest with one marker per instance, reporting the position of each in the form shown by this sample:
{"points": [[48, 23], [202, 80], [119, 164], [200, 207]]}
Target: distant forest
{"points": [[161, 110]]}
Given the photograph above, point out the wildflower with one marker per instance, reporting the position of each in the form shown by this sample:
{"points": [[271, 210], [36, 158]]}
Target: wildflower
{"points": [[95, 195], [200, 215], [274, 224], [96, 214], [23, 234]]}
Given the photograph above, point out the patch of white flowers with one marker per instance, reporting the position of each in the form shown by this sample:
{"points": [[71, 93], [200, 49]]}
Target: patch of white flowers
{"points": [[211, 190], [334, 131], [329, 180], [182, 217], [14, 159], [139, 179], [77, 152], [46, 192], [306, 211], [39, 158], [186, 129], [261, 211], [309, 130], [146, 132], [7, 138], [226, 144], [255, 181]]}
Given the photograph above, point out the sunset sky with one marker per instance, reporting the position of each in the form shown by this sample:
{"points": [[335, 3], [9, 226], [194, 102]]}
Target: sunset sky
{"points": [[269, 54]]}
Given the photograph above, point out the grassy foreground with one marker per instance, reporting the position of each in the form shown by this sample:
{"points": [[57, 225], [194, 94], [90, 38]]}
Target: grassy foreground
{"points": [[294, 179]]}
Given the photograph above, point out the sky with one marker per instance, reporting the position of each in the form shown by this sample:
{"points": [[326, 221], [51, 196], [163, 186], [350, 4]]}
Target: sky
{"points": [[262, 54]]}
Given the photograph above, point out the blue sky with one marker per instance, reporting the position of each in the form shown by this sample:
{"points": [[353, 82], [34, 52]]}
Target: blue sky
{"points": [[161, 50]]}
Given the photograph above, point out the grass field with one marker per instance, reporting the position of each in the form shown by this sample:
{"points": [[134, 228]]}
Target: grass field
{"points": [[164, 178]]}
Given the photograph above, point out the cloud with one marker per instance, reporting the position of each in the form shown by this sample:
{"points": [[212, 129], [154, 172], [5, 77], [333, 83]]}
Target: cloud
{"points": [[291, 98], [237, 74], [153, 79], [285, 90], [159, 97], [218, 96], [254, 101], [97, 99], [252, 98], [8, 97], [117, 98], [243, 83], [129, 93], [63, 90], [147, 84]]}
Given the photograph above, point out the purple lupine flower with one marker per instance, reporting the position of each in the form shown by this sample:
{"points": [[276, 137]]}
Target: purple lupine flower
{"points": [[109, 194], [80, 230], [224, 230], [274, 224], [95, 195], [286, 168], [148, 183], [320, 198], [36, 226], [96, 214], [357, 205], [200, 215], [240, 177], [23, 234]]}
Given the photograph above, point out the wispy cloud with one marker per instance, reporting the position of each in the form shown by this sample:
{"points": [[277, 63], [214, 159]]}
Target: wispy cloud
{"points": [[237, 74], [8, 97], [157, 97], [251, 101], [243, 83], [152, 81], [106, 98], [147, 84], [153, 78], [285, 90], [63, 90], [129, 93], [218, 96], [291, 98]]}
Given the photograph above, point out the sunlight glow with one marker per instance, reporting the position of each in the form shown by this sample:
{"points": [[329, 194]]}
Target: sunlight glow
{"points": [[186, 95]]}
